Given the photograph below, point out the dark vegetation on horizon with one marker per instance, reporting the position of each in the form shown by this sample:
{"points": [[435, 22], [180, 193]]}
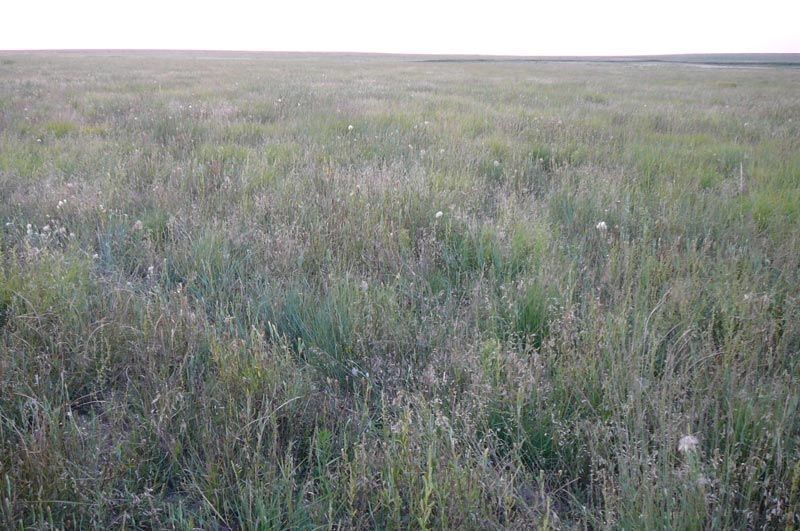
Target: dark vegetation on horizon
{"points": [[758, 59]]}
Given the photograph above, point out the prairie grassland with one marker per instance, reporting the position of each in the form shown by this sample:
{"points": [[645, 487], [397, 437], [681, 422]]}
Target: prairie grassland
{"points": [[287, 291]]}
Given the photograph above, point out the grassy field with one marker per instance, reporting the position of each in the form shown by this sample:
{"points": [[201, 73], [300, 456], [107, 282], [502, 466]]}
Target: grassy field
{"points": [[294, 291]]}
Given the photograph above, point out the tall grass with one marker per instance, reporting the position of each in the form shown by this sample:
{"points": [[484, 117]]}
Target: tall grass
{"points": [[287, 291]]}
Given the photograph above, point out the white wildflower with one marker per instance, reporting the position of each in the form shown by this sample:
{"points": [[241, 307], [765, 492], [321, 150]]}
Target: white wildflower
{"points": [[150, 271], [29, 229], [95, 256], [496, 163], [364, 285], [601, 226], [46, 228], [688, 443], [138, 225], [439, 214], [350, 127]]}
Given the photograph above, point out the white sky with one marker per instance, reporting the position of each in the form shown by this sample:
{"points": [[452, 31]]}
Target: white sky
{"points": [[550, 27]]}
